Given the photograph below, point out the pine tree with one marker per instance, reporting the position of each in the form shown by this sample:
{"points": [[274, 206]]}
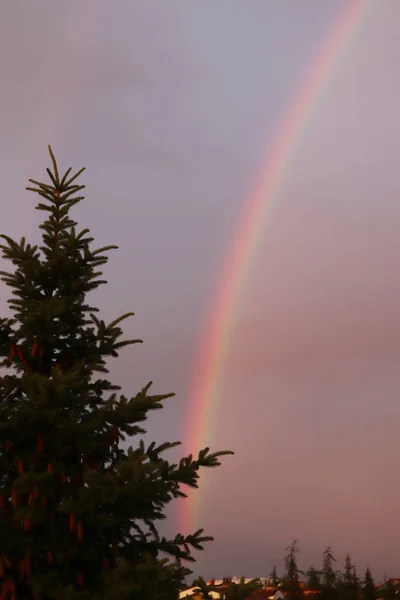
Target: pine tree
{"points": [[274, 579], [356, 585], [313, 578], [327, 567], [349, 586], [292, 584], [387, 589], [203, 588], [78, 514], [356, 579], [242, 590], [348, 578], [369, 591]]}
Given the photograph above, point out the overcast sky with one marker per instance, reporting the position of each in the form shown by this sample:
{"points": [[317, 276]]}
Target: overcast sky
{"points": [[172, 107]]}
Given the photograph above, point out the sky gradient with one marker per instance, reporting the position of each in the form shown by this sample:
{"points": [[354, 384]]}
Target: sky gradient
{"points": [[172, 108]]}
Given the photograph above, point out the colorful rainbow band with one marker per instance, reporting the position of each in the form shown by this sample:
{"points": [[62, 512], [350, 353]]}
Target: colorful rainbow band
{"points": [[257, 210]]}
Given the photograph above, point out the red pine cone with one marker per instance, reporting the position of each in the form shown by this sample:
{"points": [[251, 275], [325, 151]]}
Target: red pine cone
{"points": [[80, 531], [20, 467], [71, 522], [12, 353], [8, 586], [34, 347], [50, 468], [21, 356], [26, 525], [25, 569], [12, 589], [80, 579], [5, 558]]}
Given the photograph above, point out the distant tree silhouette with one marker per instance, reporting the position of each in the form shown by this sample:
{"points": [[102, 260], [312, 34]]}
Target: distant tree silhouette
{"points": [[291, 579], [348, 587], [313, 582], [348, 578], [369, 589], [274, 576], [203, 588], [330, 577], [242, 590]]}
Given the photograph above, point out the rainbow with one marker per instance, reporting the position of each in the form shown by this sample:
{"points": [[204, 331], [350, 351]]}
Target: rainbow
{"points": [[258, 208]]}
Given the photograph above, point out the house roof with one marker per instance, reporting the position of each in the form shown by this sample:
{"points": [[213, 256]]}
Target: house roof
{"points": [[190, 592]]}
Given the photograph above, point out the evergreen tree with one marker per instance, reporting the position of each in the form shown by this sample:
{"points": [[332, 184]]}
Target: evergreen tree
{"points": [[242, 590], [274, 579], [203, 588], [349, 586], [348, 578], [312, 579], [369, 591], [291, 582], [327, 567], [356, 585], [356, 579], [78, 514], [387, 590]]}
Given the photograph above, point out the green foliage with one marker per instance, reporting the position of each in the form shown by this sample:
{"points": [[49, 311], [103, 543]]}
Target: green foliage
{"points": [[348, 578], [312, 579], [291, 579], [242, 590], [78, 514], [203, 588], [329, 593], [369, 591], [387, 590], [327, 567], [348, 587], [274, 577]]}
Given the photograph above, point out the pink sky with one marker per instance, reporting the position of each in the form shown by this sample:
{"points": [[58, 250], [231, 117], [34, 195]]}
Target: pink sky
{"points": [[172, 110]]}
